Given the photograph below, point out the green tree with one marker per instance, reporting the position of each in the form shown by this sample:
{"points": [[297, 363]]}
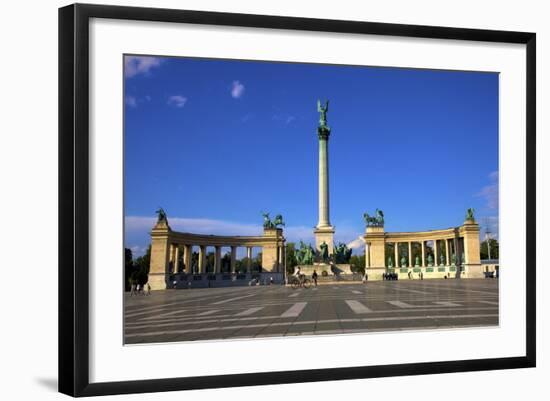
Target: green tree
{"points": [[210, 261], [291, 261], [129, 268], [226, 263], [357, 263], [493, 246], [142, 263]]}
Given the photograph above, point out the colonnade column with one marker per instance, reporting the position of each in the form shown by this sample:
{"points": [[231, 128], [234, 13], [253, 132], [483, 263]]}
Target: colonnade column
{"points": [[436, 253], [176, 259], [233, 258], [249, 257], [423, 254], [218, 260], [458, 256], [447, 249], [188, 250], [410, 254], [280, 259], [171, 257], [396, 254], [202, 258]]}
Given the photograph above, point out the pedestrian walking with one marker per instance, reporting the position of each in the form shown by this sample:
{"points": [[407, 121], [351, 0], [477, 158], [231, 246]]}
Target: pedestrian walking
{"points": [[314, 277], [148, 289]]}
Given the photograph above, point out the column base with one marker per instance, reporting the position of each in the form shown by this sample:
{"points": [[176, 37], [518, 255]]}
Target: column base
{"points": [[473, 271], [158, 281], [324, 234]]}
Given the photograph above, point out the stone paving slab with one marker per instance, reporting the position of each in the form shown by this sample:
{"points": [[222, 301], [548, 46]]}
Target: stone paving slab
{"points": [[265, 311]]}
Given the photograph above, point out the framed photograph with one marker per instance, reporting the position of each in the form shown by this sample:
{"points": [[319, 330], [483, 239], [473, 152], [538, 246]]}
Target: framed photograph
{"points": [[251, 199]]}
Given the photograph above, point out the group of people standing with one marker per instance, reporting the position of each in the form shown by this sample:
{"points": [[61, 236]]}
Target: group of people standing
{"points": [[138, 289], [390, 276]]}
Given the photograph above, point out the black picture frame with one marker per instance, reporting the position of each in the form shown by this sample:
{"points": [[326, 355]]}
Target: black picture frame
{"points": [[74, 198]]}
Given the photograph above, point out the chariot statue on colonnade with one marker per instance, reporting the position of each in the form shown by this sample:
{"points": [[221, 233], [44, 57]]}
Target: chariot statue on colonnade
{"points": [[276, 223], [374, 221]]}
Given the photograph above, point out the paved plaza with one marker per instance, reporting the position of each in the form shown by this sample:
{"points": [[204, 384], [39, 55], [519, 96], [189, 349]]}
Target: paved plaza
{"points": [[265, 311]]}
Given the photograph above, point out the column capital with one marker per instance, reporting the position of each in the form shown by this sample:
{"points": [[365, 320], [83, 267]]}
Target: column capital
{"points": [[323, 133]]}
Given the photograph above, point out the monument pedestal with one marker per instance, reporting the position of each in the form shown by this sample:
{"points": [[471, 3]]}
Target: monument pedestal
{"points": [[343, 268], [324, 234]]}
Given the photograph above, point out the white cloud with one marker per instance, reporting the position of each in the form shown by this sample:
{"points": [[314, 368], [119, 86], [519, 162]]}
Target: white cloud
{"points": [[135, 65], [177, 100], [357, 243], [490, 192], [489, 226], [131, 101], [237, 89], [140, 227]]}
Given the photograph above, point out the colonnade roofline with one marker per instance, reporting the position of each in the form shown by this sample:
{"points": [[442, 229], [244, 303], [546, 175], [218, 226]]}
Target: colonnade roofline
{"points": [[450, 232], [219, 240]]}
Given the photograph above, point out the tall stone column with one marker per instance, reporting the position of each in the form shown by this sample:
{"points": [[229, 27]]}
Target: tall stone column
{"points": [[472, 266], [448, 259], [324, 232], [188, 258], [160, 256], [280, 258], [176, 258], [202, 259], [374, 252], [249, 258], [218, 260], [396, 254], [436, 253], [410, 255], [233, 258], [423, 254]]}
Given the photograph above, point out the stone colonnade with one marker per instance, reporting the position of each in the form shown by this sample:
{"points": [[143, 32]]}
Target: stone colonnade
{"points": [[167, 244], [454, 252]]}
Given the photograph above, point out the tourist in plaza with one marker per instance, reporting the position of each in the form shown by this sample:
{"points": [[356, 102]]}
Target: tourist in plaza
{"points": [[314, 277], [148, 289]]}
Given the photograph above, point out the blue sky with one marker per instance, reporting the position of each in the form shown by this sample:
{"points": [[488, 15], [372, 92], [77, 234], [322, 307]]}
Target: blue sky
{"points": [[216, 142]]}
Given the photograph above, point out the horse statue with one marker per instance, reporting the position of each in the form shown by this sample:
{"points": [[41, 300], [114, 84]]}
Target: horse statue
{"points": [[162, 218], [267, 221], [374, 221], [278, 221], [342, 254]]}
